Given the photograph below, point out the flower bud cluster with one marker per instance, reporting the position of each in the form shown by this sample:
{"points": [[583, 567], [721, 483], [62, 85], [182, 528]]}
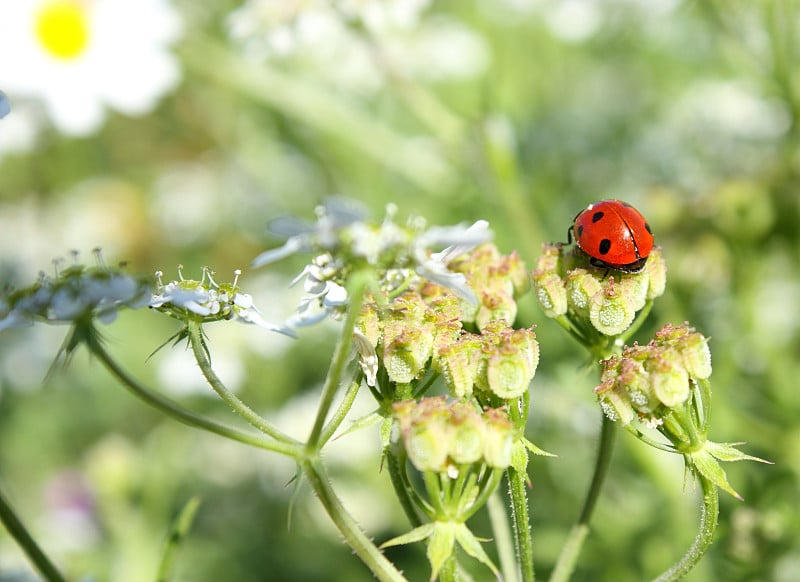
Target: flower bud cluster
{"points": [[496, 279], [646, 382], [76, 293], [416, 331], [439, 436], [566, 284]]}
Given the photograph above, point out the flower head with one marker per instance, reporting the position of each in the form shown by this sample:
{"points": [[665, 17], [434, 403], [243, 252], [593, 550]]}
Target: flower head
{"points": [[569, 288], [78, 57], [206, 301], [78, 292]]}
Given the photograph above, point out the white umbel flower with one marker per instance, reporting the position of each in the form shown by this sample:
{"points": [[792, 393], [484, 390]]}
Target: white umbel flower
{"points": [[80, 56]]}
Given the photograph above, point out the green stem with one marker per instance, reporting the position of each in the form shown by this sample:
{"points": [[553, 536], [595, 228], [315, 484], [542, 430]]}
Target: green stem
{"points": [[355, 292], [501, 532], [187, 417], [341, 412], [637, 323], [709, 514], [522, 528], [177, 533], [239, 407], [25, 541], [572, 547], [403, 489], [363, 547], [488, 487], [449, 571]]}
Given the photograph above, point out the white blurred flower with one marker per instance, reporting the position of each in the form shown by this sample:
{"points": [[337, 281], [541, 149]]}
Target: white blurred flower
{"points": [[80, 56], [319, 36]]}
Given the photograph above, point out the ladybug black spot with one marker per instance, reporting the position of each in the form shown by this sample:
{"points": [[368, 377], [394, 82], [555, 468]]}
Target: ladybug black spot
{"points": [[647, 226], [580, 231], [597, 216], [605, 246]]}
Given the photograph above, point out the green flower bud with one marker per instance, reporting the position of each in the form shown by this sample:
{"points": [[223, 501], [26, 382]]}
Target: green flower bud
{"points": [[424, 431], [615, 403], [458, 363], [668, 377], [692, 346], [581, 286], [405, 357], [496, 305], [551, 293], [550, 259], [635, 287], [656, 270], [611, 311], [368, 323], [509, 360], [513, 269], [498, 440], [467, 434]]}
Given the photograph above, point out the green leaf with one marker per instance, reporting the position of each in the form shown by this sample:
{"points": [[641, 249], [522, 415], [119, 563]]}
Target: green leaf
{"points": [[366, 421], [705, 464], [729, 452], [519, 458], [441, 545], [536, 450], [470, 544], [415, 535]]}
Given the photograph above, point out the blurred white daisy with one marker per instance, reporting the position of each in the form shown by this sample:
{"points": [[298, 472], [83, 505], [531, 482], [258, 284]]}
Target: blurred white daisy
{"points": [[80, 56]]}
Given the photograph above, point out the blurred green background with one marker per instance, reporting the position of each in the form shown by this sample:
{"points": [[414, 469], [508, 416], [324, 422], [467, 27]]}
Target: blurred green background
{"points": [[517, 111]]}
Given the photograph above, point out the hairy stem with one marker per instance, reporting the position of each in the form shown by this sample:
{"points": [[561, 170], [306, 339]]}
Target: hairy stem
{"points": [[709, 513], [571, 549], [355, 292], [183, 415], [522, 528], [25, 541], [501, 532], [363, 547], [239, 407]]}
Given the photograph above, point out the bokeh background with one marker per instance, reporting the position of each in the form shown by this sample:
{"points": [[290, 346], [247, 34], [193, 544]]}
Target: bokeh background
{"points": [[170, 132]]}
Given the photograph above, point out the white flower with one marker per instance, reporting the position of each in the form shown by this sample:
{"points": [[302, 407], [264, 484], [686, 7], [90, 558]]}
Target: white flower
{"points": [[80, 56], [5, 106], [76, 293], [207, 301]]}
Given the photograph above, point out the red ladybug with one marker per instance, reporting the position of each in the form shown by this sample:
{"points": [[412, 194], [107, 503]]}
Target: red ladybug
{"points": [[614, 235]]}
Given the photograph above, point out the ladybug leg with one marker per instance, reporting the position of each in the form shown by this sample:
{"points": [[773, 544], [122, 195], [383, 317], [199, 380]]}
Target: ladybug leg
{"points": [[569, 234], [600, 265]]}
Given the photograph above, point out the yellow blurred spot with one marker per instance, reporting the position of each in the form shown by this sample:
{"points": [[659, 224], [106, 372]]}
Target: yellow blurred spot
{"points": [[62, 27]]}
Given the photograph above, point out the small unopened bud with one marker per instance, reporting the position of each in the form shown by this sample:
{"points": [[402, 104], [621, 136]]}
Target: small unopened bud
{"points": [[496, 305], [581, 287], [467, 434], [509, 361], [611, 311], [656, 270], [693, 346], [615, 402], [668, 377], [458, 363], [513, 269], [368, 323], [405, 357], [551, 293], [634, 287], [550, 259], [498, 440]]}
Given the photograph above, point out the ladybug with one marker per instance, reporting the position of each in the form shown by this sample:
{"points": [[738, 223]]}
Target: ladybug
{"points": [[614, 235]]}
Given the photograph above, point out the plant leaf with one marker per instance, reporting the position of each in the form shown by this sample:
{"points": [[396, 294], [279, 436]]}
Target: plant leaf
{"points": [[415, 535], [536, 450], [470, 544], [441, 546], [705, 464], [729, 452]]}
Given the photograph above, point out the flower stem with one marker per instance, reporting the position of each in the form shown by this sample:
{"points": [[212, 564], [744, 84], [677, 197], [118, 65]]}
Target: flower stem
{"points": [[355, 292], [522, 528], [501, 530], [572, 547], [363, 547], [183, 415], [341, 412], [25, 541], [403, 489], [709, 513], [239, 407]]}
